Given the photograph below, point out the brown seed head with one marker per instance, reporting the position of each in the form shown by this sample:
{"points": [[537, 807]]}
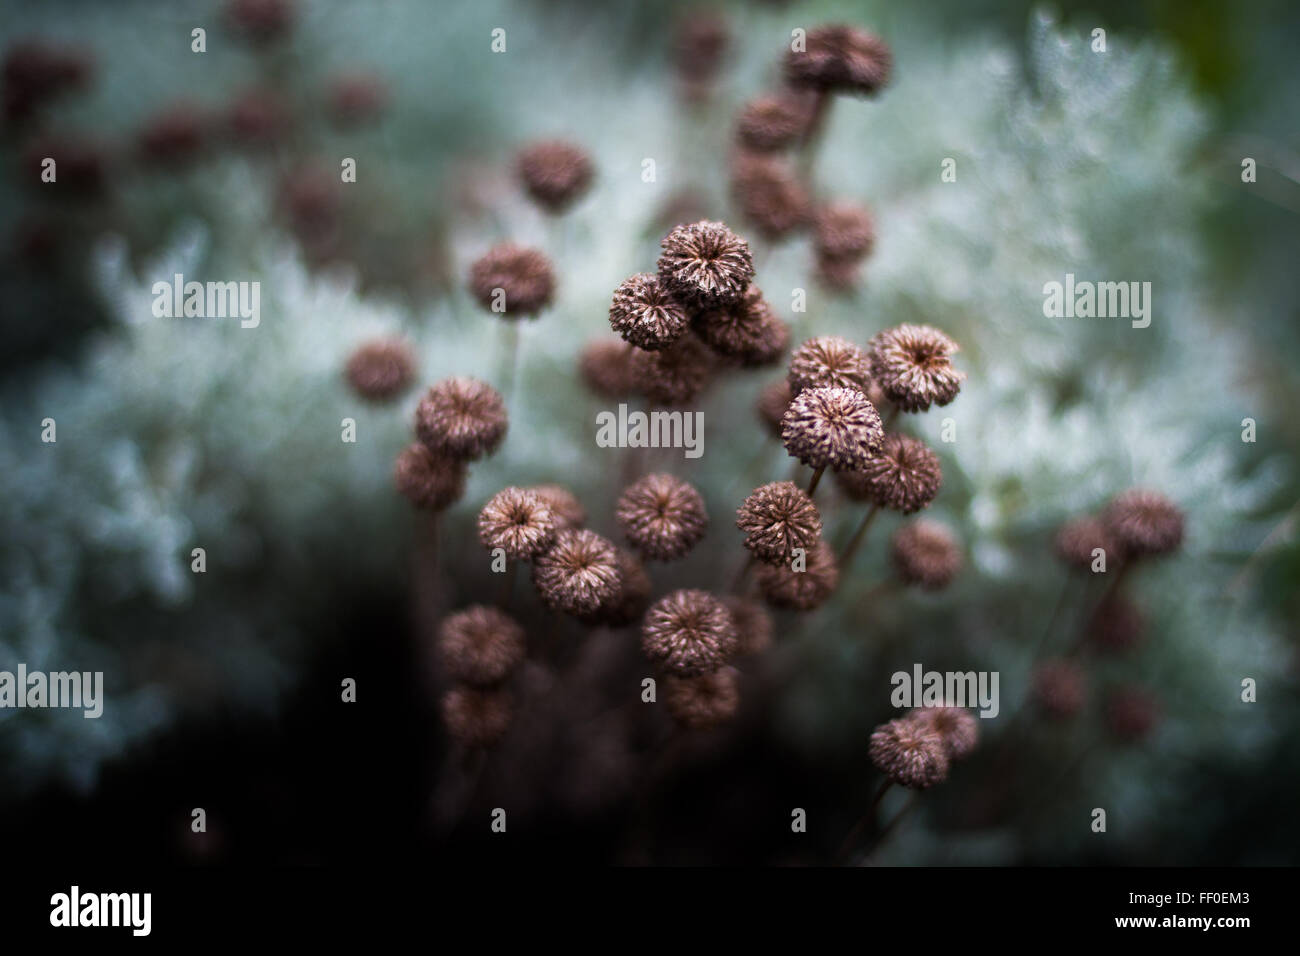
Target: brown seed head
{"points": [[629, 603], [746, 330], [480, 646], [689, 633], [769, 194], [910, 753], [606, 367], [912, 363], [957, 726], [843, 231], [517, 521], [564, 504], [578, 574], [427, 480], [771, 123], [646, 313], [925, 553], [1078, 538], [804, 590], [524, 277], [1131, 713], [828, 361], [477, 717], [1116, 624], [555, 173], [1144, 522], [1059, 688], [257, 117], [176, 136], [753, 625], [840, 58], [381, 370], [706, 263], [662, 516], [708, 700], [699, 44], [260, 21], [675, 375], [356, 98], [35, 72], [832, 427], [777, 518], [838, 275], [461, 418], [904, 477], [773, 401]]}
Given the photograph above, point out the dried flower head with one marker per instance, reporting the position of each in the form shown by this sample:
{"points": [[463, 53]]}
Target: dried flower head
{"points": [[832, 427], [925, 553], [356, 98], [699, 45], [35, 72], [381, 370], [564, 504], [1144, 522], [828, 361], [753, 625], [689, 633], [633, 594], [838, 275], [840, 58], [260, 21], [1116, 624], [843, 232], [706, 263], [257, 117], [904, 477], [606, 367], [518, 522], [512, 281], [662, 516], [804, 590], [1131, 713], [746, 330], [1059, 688], [912, 363], [770, 123], [675, 375], [555, 173], [702, 702], [578, 574], [773, 401], [480, 646], [777, 518], [477, 717], [427, 480], [176, 136], [769, 194], [910, 753], [647, 313], [1078, 538], [461, 418], [957, 726]]}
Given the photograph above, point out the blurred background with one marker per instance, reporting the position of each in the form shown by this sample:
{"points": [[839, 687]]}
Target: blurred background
{"points": [[223, 688]]}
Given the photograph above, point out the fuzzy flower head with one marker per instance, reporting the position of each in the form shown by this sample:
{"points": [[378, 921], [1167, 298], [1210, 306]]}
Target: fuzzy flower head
{"points": [[773, 401], [828, 361], [746, 330], [1132, 714], [646, 313], [555, 173], [705, 701], [771, 123], [956, 726], [461, 418], [843, 232], [606, 368], [430, 482], [675, 375], [925, 553], [578, 574], [513, 281], [564, 504], [629, 603], [261, 21], [832, 427], [518, 522], [1144, 522], [1116, 624], [480, 645], [904, 477], [477, 717], [777, 518], [804, 590], [381, 370], [913, 364], [662, 516], [1078, 538], [689, 633], [842, 59], [1059, 688], [753, 625], [910, 753], [707, 263], [769, 194]]}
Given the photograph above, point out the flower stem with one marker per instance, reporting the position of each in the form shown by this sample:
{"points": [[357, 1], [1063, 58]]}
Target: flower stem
{"points": [[852, 547], [816, 477]]}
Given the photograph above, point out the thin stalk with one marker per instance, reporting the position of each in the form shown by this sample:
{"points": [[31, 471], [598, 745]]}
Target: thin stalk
{"points": [[852, 547], [816, 477], [851, 839]]}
